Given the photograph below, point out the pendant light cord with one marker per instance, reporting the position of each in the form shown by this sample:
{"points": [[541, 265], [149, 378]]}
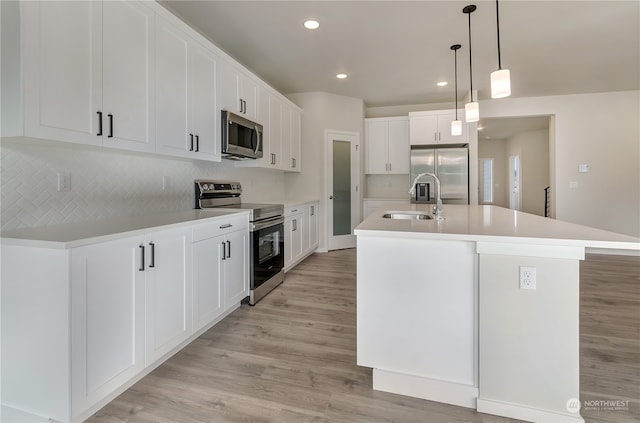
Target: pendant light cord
{"points": [[470, 63], [498, 26], [455, 71]]}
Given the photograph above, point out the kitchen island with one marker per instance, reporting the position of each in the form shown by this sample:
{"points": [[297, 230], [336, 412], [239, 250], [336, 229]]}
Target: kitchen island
{"points": [[479, 309]]}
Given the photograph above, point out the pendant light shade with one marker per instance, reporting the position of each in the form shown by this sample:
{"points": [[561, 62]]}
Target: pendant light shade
{"points": [[500, 79], [500, 83], [456, 125], [471, 109]]}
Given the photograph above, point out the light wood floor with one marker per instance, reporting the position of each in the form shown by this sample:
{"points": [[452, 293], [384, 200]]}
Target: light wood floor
{"points": [[292, 358]]}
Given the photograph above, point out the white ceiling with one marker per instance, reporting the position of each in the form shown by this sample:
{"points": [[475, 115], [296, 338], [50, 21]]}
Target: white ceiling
{"points": [[395, 51], [507, 127]]}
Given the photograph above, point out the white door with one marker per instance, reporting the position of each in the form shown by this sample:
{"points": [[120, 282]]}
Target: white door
{"points": [[236, 263], [172, 49], [514, 183], [342, 188], [127, 82], [207, 281], [202, 111], [168, 291], [62, 59], [107, 319]]}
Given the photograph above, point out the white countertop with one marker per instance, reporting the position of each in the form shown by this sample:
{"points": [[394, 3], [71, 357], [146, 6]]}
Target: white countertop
{"points": [[73, 235], [293, 203], [492, 224]]}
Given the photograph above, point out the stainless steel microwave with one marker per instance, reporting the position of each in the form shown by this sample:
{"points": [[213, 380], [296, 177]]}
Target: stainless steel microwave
{"points": [[241, 138]]}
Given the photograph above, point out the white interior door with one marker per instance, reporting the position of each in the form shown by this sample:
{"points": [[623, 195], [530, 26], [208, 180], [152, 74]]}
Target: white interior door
{"points": [[514, 183], [342, 188]]}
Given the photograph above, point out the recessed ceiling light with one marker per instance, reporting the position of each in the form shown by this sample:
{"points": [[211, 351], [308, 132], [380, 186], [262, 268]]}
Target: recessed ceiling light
{"points": [[311, 24], [480, 128], [442, 84], [341, 75]]}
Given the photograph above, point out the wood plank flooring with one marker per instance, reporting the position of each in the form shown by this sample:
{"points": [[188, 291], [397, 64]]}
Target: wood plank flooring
{"points": [[292, 358], [610, 337]]}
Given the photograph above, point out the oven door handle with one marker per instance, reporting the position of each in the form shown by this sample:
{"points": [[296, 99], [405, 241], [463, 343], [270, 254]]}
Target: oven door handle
{"points": [[267, 223]]}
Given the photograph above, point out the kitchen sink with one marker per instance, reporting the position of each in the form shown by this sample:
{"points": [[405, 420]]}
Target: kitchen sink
{"points": [[407, 215]]}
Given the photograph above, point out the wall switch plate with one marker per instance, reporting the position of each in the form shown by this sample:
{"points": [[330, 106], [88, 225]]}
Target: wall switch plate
{"points": [[64, 181], [582, 168], [165, 182], [527, 277]]}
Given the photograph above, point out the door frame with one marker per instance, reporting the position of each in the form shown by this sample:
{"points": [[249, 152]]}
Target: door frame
{"points": [[344, 241]]}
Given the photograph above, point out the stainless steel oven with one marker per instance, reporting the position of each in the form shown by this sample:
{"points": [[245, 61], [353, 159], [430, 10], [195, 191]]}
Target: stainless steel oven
{"points": [[266, 226]]}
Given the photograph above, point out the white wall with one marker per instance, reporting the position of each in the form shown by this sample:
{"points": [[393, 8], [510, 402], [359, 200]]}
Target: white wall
{"points": [[107, 183], [496, 149], [321, 111], [601, 130]]}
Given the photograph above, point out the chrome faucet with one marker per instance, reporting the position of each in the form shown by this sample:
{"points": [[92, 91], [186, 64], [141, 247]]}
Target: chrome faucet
{"points": [[437, 209]]}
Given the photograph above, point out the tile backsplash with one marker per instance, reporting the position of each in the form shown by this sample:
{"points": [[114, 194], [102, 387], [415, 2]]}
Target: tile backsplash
{"points": [[107, 183]]}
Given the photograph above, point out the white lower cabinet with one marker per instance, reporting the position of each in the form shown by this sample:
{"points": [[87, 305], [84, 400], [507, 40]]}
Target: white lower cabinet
{"points": [[221, 268], [167, 271], [86, 323], [301, 232], [107, 319]]}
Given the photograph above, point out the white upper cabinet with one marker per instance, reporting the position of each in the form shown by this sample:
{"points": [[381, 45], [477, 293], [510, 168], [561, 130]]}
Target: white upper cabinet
{"points": [[185, 100], [62, 70], [387, 145], [296, 141], [130, 75], [237, 91], [88, 72], [434, 127], [127, 75]]}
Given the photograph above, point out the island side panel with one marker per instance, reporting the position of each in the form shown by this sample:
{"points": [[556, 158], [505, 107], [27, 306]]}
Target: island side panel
{"points": [[529, 343], [416, 312]]}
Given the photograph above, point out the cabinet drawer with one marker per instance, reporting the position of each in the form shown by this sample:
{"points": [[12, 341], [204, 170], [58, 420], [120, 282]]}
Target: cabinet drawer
{"points": [[294, 210], [220, 226]]}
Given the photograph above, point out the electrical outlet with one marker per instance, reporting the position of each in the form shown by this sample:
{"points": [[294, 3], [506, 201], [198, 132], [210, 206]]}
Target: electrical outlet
{"points": [[64, 181], [527, 277], [165, 182]]}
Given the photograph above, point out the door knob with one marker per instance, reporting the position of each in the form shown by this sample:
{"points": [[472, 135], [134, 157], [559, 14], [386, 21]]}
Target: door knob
{"points": [[331, 197]]}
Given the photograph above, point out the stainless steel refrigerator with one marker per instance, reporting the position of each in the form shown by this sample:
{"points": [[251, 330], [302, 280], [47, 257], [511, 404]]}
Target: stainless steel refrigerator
{"points": [[451, 165]]}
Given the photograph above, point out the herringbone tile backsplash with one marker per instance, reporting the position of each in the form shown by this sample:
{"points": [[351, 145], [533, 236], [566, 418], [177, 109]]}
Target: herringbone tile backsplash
{"points": [[108, 183]]}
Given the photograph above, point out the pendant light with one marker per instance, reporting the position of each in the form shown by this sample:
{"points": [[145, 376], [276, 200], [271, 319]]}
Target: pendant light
{"points": [[456, 125], [500, 79], [471, 109]]}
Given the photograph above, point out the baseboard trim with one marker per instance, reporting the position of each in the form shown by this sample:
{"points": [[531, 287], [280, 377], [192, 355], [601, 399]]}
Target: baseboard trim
{"points": [[529, 414], [425, 388]]}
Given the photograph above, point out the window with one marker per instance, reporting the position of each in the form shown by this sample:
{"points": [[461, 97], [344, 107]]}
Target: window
{"points": [[486, 181]]}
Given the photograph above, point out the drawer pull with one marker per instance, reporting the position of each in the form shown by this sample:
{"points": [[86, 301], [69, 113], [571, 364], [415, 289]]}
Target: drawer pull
{"points": [[226, 225]]}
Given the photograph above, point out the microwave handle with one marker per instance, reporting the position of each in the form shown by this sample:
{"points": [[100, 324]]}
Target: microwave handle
{"points": [[259, 139]]}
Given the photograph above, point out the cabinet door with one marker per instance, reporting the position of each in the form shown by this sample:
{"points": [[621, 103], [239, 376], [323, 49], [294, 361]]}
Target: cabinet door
{"points": [[127, 77], [107, 319], [62, 57], [296, 237], [304, 231], [313, 226], [285, 144], [377, 142], [296, 122], [444, 129], [172, 128], [247, 93], [236, 265], [227, 88], [207, 281], [203, 103], [275, 132], [399, 149], [423, 130], [168, 291]]}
